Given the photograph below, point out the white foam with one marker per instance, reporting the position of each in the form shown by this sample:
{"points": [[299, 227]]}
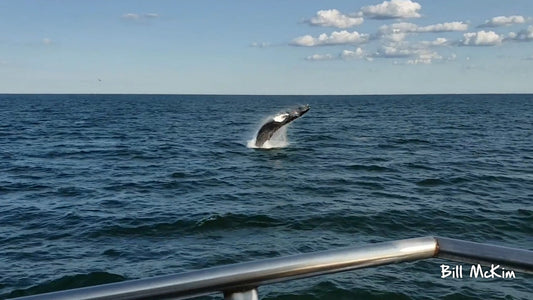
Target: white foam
{"points": [[278, 140], [251, 144]]}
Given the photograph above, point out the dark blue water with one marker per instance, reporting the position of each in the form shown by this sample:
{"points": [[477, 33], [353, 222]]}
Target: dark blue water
{"points": [[103, 188]]}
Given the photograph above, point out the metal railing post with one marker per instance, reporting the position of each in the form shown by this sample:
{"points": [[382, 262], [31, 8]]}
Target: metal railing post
{"points": [[245, 295]]}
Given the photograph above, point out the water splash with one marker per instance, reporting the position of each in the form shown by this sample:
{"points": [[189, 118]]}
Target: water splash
{"points": [[278, 140]]}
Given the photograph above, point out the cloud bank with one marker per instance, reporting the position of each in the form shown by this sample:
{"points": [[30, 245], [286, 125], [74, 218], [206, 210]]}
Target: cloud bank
{"points": [[403, 39]]}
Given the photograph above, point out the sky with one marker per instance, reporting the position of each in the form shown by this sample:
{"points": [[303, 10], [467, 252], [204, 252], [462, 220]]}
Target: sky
{"points": [[266, 46]]}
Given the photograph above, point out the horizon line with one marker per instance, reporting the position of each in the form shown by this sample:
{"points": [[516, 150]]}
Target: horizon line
{"points": [[247, 94]]}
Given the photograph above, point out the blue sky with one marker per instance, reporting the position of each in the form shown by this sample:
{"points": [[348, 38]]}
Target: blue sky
{"points": [[266, 46]]}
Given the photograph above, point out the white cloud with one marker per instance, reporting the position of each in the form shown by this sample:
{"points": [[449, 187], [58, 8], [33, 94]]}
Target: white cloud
{"points": [[394, 51], [525, 35], [437, 42], [419, 53], [401, 27], [260, 44], [404, 27], [335, 38], [444, 27], [504, 21], [333, 18], [395, 37], [131, 16], [424, 56], [151, 15], [139, 17], [357, 54], [482, 38], [528, 33], [305, 41], [392, 10], [397, 32], [413, 53], [318, 57]]}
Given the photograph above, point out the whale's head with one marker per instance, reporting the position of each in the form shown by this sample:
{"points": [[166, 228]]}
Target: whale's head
{"points": [[298, 112], [291, 114]]}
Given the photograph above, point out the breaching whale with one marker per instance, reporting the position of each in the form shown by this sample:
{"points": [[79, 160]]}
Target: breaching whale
{"points": [[272, 125]]}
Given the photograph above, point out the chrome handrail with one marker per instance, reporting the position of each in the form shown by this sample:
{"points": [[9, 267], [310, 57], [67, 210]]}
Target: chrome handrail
{"points": [[239, 281]]}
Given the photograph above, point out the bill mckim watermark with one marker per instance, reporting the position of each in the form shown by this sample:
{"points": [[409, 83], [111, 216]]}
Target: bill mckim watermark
{"points": [[476, 271]]}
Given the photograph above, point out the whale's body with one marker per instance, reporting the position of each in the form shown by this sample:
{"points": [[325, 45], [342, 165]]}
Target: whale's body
{"points": [[268, 129]]}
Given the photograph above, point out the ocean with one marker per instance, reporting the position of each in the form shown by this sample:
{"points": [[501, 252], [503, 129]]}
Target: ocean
{"points": [[105, 188]]}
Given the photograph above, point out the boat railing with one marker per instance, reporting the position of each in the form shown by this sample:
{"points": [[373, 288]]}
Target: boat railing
{"points": [[241, 280]]}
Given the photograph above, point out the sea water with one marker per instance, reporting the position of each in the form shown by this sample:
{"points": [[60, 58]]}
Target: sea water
{"points": [[104, 188]]}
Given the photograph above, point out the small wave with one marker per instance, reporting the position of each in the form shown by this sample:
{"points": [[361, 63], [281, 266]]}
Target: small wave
{"points": [[236, 221], [402, 141], [394, 144], [322, 138], [179, 175], [154, 229], [23, 187], [72, 191], [112, 253], [392, 222], [193, 174], [332, 290], [370, 185], [67, 282], [84, 154], [112, 203], [209, 223], [226, 144], [345, 184], [369, 168], [431, 182], [525, 212], [462, 180], [391, 195], [128, 186], [420, 166]]}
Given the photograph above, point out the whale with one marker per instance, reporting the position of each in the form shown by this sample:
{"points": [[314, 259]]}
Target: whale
{"points": [[268, 129]]}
